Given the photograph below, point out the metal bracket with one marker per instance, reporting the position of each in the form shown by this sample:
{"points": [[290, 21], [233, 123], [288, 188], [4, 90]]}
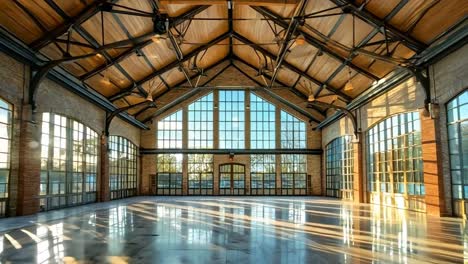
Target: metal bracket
{"points": [[110, 116], [348, 113], [422, 76]]}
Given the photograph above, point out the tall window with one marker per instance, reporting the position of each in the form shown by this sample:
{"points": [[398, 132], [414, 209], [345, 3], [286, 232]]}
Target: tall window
{"points": [[262, 173], [200, 123], [293, 132], [457, 119], [394, 155], [231, 119], [5, 147], [200, 173], [262, 123], [293, 173], [169, 177], [170, 131], [122, 167], [68, 160], [339, 167]]}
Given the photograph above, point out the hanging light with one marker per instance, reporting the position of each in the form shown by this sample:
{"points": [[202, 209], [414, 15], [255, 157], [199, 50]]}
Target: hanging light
{"points": [[349, 84], [311, 98], [300, 40], [156, 38], [99, 55], [149, 97]]}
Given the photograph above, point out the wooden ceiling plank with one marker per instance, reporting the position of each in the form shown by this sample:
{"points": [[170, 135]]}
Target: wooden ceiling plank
{"points": [[312, 40], [176, 21], [50, 36], [291, 67], [377, 23], [171, 65], [236, 2]]}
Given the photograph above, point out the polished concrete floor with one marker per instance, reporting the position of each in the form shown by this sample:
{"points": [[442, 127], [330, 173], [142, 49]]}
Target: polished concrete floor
{"points": [[232, 230]]}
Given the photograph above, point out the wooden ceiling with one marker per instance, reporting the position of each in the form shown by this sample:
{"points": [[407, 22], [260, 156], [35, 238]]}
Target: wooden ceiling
{"points": [[311, 47]]}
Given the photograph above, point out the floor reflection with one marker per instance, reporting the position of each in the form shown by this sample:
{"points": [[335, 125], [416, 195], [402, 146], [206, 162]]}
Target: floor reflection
{"points": [[236, 230]]}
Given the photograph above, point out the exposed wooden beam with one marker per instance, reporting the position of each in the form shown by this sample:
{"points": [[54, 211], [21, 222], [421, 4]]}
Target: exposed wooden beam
{"points": [[375, 22], [175, 21], [168, 67], [313, 41], [292, 67], [279, 98], [288, 36], [236, 2], [84, 15]]}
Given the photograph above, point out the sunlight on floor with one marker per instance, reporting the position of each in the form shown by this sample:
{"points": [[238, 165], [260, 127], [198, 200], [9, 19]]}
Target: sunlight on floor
{"points": [[239, 229]]}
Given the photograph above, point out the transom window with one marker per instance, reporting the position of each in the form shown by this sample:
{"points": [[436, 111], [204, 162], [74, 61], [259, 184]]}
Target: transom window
{"points": [[231, 119], [394, 162], [457, 119], [122, 167]]}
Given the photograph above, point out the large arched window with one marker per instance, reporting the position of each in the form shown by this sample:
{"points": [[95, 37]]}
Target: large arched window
{"points": [[339, 167], [5, 148], [457, 120], [69, 153], [394, 162], [122, 167]]}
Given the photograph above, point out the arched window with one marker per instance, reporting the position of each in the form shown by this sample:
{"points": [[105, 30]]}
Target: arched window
{"points": [[457, 120], [5, 148], [69, 152], [122, 167], [339, 167], [394, 162]]}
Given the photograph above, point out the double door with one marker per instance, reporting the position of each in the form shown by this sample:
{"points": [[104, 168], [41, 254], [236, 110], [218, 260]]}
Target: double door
{"points": [[232, 179]]}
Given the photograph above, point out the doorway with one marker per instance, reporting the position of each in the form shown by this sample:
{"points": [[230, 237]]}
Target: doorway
{"points": [[232, 179]]}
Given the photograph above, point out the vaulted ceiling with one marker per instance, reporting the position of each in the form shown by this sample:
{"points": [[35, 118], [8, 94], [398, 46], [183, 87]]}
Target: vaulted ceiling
{"points": [[314, 47]]}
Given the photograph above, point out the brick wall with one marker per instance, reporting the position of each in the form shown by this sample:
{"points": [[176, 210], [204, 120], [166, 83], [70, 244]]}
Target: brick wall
{"points": [[230, 77], [448, 79], [51, 97]]}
